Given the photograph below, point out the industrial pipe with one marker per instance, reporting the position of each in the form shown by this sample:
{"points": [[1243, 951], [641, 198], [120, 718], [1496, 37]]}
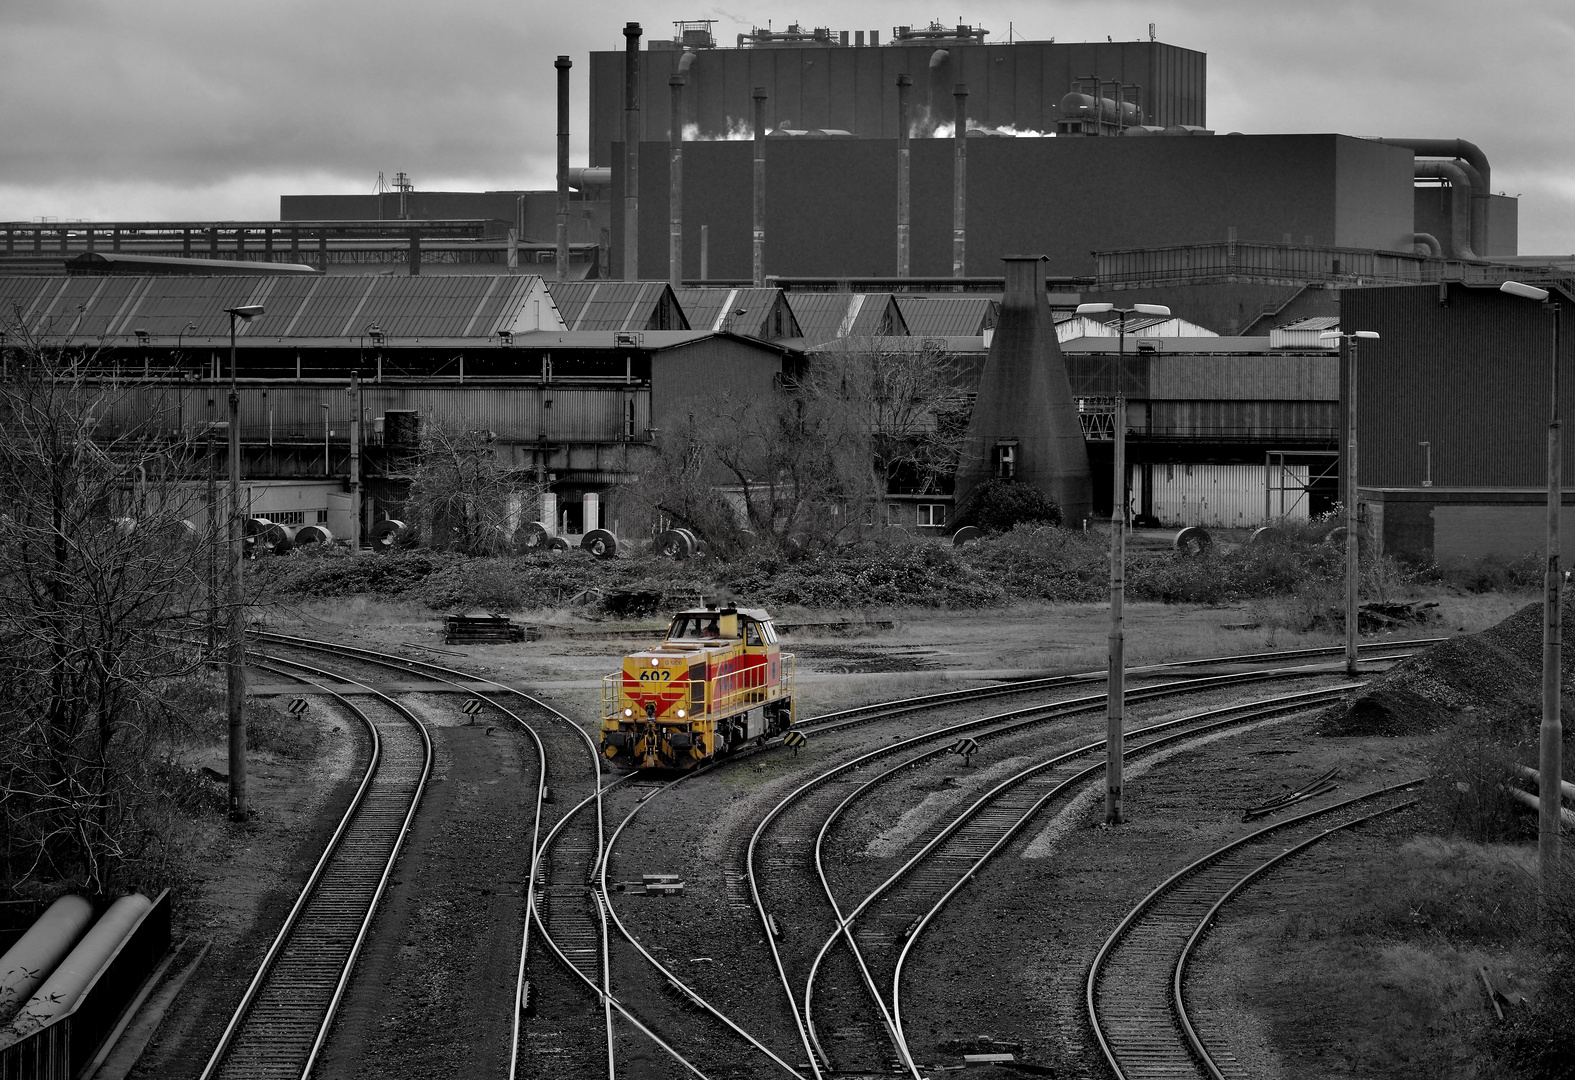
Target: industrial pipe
{"points": [[594, 176], [563, 63], [904, 162], [1429, 241], [758, 259], [1472, 154], [1565, 787], [40, 950], [631, 152], [1459, 204], [960, 182], [1566, 817], [675, 185], [62, 989]]}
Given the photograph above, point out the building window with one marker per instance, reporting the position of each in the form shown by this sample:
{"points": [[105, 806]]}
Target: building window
{"points": [[932, 515], [894, 513], [287, 517], [322, 517], [1005, 461]]}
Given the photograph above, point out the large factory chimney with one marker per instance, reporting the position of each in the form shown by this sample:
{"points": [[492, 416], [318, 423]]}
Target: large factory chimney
{"points": [[759, 253], [904, 161], [1024, 426], [631, 152], [675, 188], [960, 182], [563, 64]]}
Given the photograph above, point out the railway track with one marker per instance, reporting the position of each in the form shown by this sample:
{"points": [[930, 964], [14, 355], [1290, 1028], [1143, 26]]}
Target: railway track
{"points": [[284, 1016], [1135, 991]]}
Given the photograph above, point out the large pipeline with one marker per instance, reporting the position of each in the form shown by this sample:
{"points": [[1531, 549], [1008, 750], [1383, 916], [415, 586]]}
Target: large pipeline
{"points": [[563, 63], [1459, 203], [675, 185], [1472, 154], [758, 250], [904, 163], [27, 963], [631, 152], [960, 182], [62, 989]]}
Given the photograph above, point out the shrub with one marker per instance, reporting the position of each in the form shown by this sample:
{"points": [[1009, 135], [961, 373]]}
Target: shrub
{"points": [[998, 505]]}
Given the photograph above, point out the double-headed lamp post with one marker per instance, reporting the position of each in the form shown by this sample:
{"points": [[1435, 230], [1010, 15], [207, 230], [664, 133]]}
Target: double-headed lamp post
{"points": [[235, 694], [1550, 763], [1115, 682], [1353, 564]]}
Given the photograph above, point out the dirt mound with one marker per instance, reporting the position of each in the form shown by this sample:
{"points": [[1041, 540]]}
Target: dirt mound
{"points": [[1496, 674]]}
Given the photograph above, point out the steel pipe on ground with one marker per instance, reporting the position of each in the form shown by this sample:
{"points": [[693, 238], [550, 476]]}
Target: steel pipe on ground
{"points": [[27, 963]]}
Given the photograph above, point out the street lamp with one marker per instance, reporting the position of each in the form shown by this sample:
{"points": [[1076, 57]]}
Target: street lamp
{"points": [[235, 694], [1550, 764], [1115, 676], [1352, 559]]}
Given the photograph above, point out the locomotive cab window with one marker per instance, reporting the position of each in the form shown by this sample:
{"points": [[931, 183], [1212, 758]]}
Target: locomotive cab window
{"points": [[752, 634], [695, 628]]}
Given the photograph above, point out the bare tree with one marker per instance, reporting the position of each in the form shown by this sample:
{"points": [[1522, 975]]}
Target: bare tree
{"points": [[465, 492], [101, 577], [806, 464]]}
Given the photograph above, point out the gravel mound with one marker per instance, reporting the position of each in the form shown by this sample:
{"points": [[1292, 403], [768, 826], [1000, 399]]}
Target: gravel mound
{"points": [[1496, 675]]}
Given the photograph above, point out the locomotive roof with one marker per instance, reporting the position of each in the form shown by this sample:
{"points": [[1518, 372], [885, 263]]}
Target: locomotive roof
{"points": [[758, 614]]}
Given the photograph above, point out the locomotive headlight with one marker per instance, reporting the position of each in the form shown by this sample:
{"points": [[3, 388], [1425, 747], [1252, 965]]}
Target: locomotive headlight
{"points": [[654, 661], [682, 714], [628, 712]]}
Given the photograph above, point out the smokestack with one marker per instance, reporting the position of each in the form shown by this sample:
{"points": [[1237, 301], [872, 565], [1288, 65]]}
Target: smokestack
{"points": [[759, 260], [1024, 426], [904, 160], [960, 183], [675, 195], [563, 64], [631, 152]]}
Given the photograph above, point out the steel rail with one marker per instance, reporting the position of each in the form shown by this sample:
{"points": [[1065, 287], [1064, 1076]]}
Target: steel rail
{"points": [[1132, 918], [223, 1061], [676, 983], [447, 677], [1220, 717], [1001, 689], [1037, 714], [1178, 998], [1260, 711]]}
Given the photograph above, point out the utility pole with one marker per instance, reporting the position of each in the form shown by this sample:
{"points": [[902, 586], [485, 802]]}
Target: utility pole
{"points": [[355, 462], [235, 691]]}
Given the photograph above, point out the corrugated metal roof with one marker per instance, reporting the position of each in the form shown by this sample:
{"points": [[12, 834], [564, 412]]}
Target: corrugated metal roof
{"points": [[1313, 322], [823, 316], [428, 306], [611, 305], [741, 311], [948, 316]]}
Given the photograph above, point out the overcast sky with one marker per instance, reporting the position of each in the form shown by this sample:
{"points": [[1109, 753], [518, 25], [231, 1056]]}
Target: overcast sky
{"points": [[198, 109]]}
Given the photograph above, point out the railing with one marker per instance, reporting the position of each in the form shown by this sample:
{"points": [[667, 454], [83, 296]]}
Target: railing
{"points": [[1291, 262], [59, 1049], [723, 696]]}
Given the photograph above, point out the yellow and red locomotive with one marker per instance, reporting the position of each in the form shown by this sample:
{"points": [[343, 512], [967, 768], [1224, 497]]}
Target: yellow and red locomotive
{"points": [[718, 680]]}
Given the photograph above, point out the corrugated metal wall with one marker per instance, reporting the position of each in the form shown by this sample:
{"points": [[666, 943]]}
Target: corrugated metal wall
{"points": [[852, 89], [1219, 496], [1267, 422], [1463, 368], [522, 414]]}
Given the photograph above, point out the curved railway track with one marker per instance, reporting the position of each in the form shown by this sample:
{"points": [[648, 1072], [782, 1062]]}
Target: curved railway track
{"points": [[1134, 992], [284, 1016]]}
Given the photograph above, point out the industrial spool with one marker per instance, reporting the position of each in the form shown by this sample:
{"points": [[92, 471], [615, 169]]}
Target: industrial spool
{"points": [[308, 535], [968, 534], [557, 543], [251, 534], [1266, 536], [1192, 540], [532, 537], [1336, 539], [277, 539], [385, 534], [600, 543], [671, 545]]}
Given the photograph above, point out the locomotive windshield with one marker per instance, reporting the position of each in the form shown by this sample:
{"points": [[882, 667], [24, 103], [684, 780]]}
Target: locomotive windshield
{"points": [[695, 628]]}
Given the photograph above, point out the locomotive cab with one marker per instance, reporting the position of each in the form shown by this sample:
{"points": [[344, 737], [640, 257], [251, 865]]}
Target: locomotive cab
{"points": [[717, 680]]}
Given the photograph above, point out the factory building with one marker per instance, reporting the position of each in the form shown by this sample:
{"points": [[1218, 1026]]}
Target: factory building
{"points": [[1452, 412]]}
